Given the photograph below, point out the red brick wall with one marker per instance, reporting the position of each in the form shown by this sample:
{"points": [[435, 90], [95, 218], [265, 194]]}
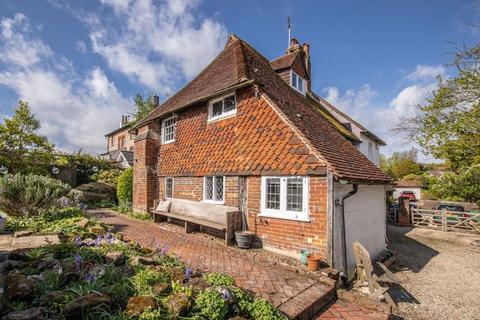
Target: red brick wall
{"points": [[191, 188], [291, 236]]}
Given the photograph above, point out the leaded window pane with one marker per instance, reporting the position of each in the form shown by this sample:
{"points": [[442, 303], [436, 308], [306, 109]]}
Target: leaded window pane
{"points": [[209, 188], [273, 193], [169, 187], [294, 194], [219, 188], [217, 109], [229, 104]]}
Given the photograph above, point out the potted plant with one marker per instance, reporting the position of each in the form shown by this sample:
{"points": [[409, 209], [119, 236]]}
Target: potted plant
{"points": [[244, 239]]}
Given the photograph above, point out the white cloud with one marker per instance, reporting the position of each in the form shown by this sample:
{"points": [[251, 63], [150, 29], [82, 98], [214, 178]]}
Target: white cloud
{"points": [[156, 44], [16, 46], [75, 110], [81, 46], [356, 103], [426, 73]]}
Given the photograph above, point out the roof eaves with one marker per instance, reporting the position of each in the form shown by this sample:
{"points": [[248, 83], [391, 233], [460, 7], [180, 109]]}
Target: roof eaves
{"points": [[118, 130]]}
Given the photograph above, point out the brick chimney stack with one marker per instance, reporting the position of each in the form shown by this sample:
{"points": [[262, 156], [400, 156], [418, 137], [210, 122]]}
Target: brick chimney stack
{"points": [[124, 120], [294, 46], [308, 65]]}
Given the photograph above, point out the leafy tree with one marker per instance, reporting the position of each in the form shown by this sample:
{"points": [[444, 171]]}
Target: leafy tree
{"points": [[401, 164], [125, 187], [447, 125], [143, 105], [22, 149]]}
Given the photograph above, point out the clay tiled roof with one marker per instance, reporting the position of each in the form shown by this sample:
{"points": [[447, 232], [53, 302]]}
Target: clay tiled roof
{"points": [[285, 61], [240, 63]]}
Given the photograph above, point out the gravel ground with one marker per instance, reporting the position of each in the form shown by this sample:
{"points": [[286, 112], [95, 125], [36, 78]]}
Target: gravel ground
{"points": [[439, 272]]}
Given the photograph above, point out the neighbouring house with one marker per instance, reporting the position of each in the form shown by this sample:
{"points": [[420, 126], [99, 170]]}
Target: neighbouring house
{"points": [[413, 186], [243, 135], [120, 145]]}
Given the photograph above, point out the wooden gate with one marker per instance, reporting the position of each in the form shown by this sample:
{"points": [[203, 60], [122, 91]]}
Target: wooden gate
{"points": [[446, 220]]}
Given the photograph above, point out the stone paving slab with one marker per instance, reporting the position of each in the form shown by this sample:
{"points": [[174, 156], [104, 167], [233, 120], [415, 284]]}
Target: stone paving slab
{"points": [[295, 294]]}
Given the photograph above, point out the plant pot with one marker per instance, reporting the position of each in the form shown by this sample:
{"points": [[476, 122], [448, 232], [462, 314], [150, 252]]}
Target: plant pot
{"points": [[244, 239], [303, 256], [313, 262]]}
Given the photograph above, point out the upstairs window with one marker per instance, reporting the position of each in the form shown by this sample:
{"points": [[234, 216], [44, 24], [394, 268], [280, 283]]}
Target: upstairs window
{"points": [[213, 189], [112, 141], [222, 107], [169, 129], [297, 82], [285, 197]]}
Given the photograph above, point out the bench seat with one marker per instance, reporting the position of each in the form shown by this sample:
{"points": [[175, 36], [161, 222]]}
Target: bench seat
{"points": [[198, 214]]}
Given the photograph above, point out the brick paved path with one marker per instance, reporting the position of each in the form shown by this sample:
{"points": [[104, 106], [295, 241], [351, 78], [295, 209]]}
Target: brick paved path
{"points": [[342, 310], [298, 296]]}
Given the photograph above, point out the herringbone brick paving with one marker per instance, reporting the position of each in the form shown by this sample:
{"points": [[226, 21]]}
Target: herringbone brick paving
{"points": [[291, 292]]}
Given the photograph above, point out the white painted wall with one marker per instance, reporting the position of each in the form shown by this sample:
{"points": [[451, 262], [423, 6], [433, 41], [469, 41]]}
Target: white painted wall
{"points": [[399, 190], [374, 156], [364, 220]]}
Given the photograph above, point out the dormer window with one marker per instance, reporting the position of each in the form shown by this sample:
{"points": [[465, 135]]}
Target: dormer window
{"points": [[222, 107], [297, 82]]}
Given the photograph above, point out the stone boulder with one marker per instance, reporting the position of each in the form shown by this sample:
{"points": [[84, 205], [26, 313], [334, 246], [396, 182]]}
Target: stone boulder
{"points": [[27, 314], [19, 287], [95, 192], [79, 306], [178, 304], [136, 305], [160, 288], [116, 258]]}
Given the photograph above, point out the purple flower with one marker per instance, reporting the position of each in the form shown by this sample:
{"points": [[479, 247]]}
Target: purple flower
{"points": [[164, 249], [78, 241], [90, 278], [78, 261], [157, 246], [98, 240], [188, 273]]}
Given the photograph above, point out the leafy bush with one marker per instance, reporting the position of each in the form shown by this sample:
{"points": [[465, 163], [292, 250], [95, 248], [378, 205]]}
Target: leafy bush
{"points": [[211, 304], [125, 186], [107, 176], [218, 279], [262, 310], [94, 193], [145, 278], [27, 195]]}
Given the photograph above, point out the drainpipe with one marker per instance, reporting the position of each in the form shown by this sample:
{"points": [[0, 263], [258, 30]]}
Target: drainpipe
{"points": [[341, 203]]}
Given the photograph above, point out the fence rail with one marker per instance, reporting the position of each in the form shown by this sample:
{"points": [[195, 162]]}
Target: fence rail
{"points": [[446, 220]]}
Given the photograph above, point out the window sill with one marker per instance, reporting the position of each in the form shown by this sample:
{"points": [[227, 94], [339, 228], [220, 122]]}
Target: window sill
{"points": [[275, 216], [213, 202], [223, 117], [168, 142]]}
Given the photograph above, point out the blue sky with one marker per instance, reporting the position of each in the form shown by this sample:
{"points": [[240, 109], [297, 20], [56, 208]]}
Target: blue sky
{"points": [[80, 63]]}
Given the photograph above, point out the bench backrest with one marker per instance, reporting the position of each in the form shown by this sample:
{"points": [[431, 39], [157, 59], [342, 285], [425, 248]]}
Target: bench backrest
{"points": [[201, 210]]}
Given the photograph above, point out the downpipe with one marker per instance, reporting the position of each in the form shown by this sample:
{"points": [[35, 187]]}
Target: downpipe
{"points": [[341, 203]]}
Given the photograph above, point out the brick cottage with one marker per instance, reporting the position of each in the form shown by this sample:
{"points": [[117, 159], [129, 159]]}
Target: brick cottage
{"points": [[249, 133]]}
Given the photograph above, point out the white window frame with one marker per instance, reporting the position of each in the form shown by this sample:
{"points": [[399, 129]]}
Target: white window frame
{"points": [[224, 114], [164, 141], [283, 213], [173, 183], [213, 190], [304, 82]]}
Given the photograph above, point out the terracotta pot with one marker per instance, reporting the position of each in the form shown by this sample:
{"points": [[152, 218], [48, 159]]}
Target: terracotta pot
{"points": [[313, 262]]}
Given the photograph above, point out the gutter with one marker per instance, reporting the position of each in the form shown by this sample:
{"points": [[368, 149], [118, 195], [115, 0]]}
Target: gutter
{"points": [[341, 204]]}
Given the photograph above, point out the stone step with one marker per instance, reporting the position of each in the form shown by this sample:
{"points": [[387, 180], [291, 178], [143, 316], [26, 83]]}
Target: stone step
{"points": [[308, 303]]}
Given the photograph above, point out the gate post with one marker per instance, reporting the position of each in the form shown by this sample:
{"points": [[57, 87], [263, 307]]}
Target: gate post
{"points": [[404, 212], [444, 219]]}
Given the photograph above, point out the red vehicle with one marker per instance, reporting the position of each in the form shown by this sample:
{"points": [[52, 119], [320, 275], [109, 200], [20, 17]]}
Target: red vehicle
{"points": [[409, 195]]}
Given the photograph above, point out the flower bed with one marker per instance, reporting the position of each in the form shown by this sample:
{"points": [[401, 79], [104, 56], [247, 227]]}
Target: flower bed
{"points": [[93, 274]]}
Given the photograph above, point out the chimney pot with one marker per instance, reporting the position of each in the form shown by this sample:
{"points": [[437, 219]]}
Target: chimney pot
{"points": [[155, 100]]}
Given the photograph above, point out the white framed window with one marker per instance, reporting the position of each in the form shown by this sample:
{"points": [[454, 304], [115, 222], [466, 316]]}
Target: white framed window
{"points": [[297, 82], [222, 107], [213, 189], [169, 129], [168, 187], [370, 151], [285, 197]]}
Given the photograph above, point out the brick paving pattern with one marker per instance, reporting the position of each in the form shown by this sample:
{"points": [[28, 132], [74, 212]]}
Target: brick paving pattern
{"points": [[343, 310], [296, 295]]}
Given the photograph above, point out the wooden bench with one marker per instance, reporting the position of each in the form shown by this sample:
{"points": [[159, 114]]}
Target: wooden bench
{"points": [[196, 215]]}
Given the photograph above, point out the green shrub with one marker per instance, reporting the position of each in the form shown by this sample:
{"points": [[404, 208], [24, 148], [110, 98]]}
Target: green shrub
{"points": [[125, 186], [218, 279], [144, 279], [107, 176], [29, 195], [211, 304], [262, 310]]}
